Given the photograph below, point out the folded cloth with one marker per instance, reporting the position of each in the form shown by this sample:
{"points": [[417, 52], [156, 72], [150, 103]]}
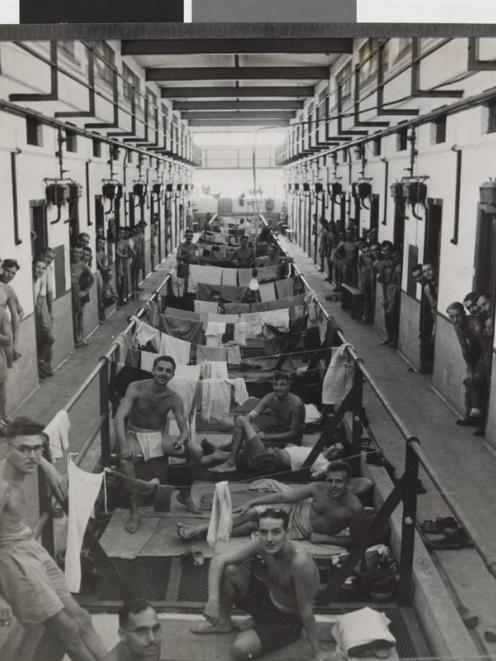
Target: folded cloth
{"points": [[233, 354], [267, 292], [230, 277], [57, 431], [362, 631], [298, 455], [210, 275], [277, 318], [210, 353], [184, 329], [206, 306], [266, 273], [174, 347], [83, 491], [244, 277], [228, 294], [285, 288], [221, 519], [145, 334]]}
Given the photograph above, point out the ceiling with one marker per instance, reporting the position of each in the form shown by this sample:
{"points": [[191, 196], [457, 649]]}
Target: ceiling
{"points": [[238, 82]]}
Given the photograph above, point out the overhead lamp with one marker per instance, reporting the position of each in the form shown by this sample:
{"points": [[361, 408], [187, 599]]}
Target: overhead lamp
{"points": [[253, 285]]}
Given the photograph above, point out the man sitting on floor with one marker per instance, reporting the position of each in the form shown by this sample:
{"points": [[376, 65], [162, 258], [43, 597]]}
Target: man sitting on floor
{"points": [[280, 600], [277, 419], [139, 633], [140, 427], [323, 512], [30, 581]]}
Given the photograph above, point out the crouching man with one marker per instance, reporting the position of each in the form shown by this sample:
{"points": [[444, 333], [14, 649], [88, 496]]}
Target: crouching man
{"points": [[278, 592]]}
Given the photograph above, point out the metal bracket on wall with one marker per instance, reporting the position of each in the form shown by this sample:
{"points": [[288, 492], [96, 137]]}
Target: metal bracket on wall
{"points": [[474, 62], [356, 103], [53, 95], [415, 87], [114, 124], [91, 91], [381, 110]]}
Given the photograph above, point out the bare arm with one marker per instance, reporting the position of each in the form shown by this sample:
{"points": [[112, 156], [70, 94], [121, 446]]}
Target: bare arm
{"points": [[121, 418], [178, 410], [304, 580], [292, 496], [54, 479], [259, 408], [91, 279], [281, 438]]}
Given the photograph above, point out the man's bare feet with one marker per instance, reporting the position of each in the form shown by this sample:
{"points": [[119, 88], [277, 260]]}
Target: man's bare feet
{"points": [[187, 533], [206, 628], [226, 467], [189, 503], [133, 522]]}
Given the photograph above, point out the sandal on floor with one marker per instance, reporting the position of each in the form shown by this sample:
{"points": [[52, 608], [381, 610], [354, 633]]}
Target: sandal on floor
{"points": [[438, 525], [193, 558], [470, 620]]}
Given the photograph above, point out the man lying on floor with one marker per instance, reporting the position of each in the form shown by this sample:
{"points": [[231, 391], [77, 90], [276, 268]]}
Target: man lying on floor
{"points": [[140, 424], [323, 512], [278, 594], [277, 419]]}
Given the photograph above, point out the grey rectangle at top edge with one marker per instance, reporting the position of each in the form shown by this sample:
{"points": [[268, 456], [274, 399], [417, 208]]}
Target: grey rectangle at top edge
{"points": [[276, 11]]}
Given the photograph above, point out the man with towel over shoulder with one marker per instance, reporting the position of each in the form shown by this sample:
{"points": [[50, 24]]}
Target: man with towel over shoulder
{"points": [[141, 425]]}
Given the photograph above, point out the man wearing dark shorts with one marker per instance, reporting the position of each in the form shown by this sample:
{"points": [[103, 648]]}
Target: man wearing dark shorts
{"points": [[280, 599], [277, 419]]}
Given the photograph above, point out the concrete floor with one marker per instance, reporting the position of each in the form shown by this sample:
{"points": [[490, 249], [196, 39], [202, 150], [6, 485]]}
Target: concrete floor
{"points": [[466, 464]]}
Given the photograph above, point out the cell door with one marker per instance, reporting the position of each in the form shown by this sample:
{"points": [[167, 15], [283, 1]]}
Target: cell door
{"points": [[39, 227], [374, 212]]}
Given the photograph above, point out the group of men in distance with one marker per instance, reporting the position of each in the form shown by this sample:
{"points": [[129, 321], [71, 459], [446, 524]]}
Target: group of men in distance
{"points": [[279, 595]]}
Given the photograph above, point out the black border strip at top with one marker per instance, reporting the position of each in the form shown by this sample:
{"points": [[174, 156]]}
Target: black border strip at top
{"points": [[174, 31], [100, 11]]}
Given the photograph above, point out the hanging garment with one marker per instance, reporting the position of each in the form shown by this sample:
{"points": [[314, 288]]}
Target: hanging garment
{"points": [[241, 333], [210, 353], [146, 360], [83, 491], [267, 273], [312, 307], [338, 379], [277, 318], [237, 308], [206, 306], [224, 318], [218, 369], [240, 392], [177, 349], [133, 358], [216, 399], [285, 288], [209, 275], [188, 372], [184, 329], [228, 294], [230, 277], [123, 345], [254, 323], [362, 631], [57, 431], [221, 519], [152, 312], [267, 292], [244, 277], [214, 332], [145, 334], [233, 354], [177, 313]]}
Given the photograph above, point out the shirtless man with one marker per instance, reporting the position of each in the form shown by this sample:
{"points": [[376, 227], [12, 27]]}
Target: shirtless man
{"points": [[278, 418], [30, 581], [243, 257], [8, 299], [140, 427], [81, 282], [139, 633], [281, 606], [272, 258], [325, 518]]}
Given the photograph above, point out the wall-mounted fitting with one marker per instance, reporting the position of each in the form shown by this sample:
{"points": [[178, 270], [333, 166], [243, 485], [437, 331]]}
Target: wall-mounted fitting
{"points": [[57, 193], [415, 192], [75, 191], [487, 196], [397, 191], [334, 189], [140, 190], [113, 191]]}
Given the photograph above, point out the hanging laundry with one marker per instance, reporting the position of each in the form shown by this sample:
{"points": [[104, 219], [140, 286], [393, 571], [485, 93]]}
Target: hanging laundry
{"points": [[133, 358], [240, 391], [184, 329], [216, 399], [152, 312], [241, 333], [230, 277], [338, 379], [83, 491], [244, 277], [57, 431], [233, 354], [123, 342], [214, 332], [206, 306], [224, 318], [255, 324], [221, 520], [285, 288], [267, 292], [312, 307], [267, 273], [177, 349], [146, 360], [228, 294], [177, 313], [210, 275], [214, 369], [145, 334], [188, 372], [237, 308], [210, 353], [277, 318]]}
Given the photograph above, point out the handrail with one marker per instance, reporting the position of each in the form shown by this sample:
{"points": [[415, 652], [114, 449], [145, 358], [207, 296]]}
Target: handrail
{"points": [[486, 556]]}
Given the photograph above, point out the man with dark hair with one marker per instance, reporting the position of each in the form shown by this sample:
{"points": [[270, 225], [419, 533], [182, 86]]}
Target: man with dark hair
{"points": [[30, 581], [141, 429], [9, 300], [139, 633], [278, 593], [417, 274], [81, 282], [244, 257], [323, 512], [277, 419], [186, 254]]}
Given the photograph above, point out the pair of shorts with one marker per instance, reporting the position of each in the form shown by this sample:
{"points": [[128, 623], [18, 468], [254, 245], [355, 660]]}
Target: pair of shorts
{"points": [[274, 628], [257, 457], [31, 582]]}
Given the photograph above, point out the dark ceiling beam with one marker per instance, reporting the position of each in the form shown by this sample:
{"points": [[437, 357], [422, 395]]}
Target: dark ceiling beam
{"points": [[281, 104], [221, 115], [237, 122], [235, 92], [190, 46], [236, 73]]}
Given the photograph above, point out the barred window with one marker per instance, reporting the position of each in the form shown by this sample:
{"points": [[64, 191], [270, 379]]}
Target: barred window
{"points": [[343, 80], [131, 86]]}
